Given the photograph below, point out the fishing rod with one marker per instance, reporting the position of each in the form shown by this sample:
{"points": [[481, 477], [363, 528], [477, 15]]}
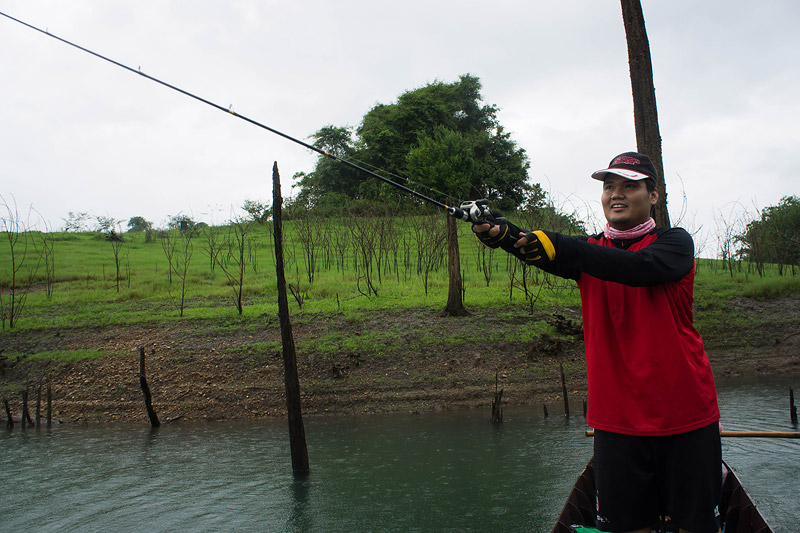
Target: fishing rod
{"points": [[468, 211]]}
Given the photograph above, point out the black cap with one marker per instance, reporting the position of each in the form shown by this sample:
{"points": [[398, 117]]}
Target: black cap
{"points": [[630, 165]]}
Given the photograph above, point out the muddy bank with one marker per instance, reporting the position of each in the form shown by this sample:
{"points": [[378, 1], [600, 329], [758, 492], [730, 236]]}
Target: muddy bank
{"points": [[200, 371]]}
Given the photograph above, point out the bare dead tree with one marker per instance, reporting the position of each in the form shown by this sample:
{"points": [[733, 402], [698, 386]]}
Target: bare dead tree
{"points": [[22, 264], [728, 226], [117, 242], [310, 235], [512, 266], [431, 232], [212, 246], [340, 238], [49, 255], [45, 245], [234, 262], [252, 253], [385, 225], [645, 111], [297, 435], [407, 246], [484, 260], [419, 230], [168, 243], [178, 247], [364, 242]]}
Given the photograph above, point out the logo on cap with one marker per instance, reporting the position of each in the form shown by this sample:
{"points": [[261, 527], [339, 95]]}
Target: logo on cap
{"points": [[625, 160]]}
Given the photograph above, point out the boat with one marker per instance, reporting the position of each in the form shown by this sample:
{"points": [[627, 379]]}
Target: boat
{"points": [[738, 512]]}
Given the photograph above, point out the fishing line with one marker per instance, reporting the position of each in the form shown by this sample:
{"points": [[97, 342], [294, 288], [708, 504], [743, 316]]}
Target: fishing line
{"points": [[401, 177], [230, 111]]}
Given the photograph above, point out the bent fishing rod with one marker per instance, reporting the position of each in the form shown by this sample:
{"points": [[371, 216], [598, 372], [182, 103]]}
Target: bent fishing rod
{"points": [[468, 211]]}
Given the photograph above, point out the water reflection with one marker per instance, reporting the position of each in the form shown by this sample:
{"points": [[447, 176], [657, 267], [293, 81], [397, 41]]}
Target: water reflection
{"points": [[299, 519], [433, 472]]}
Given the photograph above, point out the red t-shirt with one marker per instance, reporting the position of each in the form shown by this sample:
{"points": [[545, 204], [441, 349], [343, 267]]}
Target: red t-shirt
{"points": [[647, 369]]}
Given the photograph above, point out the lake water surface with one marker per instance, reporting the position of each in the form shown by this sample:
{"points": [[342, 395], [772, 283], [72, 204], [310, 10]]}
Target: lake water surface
{"points": [[450, 471]]}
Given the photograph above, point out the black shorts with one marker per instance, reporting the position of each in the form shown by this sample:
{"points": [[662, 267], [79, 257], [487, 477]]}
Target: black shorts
{"points": [[641, 479]]}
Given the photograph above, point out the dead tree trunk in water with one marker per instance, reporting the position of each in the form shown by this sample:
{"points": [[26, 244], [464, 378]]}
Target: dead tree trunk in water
{"points": [[297, 433], [49, 406], [26, 415], [564, 389], [9, 419], [645, 111], [39, 404], [497, 402], [148, 402]]}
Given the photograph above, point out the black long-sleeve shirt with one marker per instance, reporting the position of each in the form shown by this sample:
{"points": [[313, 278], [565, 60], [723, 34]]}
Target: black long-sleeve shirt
{"points": [[668, 258]]}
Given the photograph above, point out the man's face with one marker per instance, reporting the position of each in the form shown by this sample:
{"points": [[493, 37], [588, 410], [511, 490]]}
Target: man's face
{"points": [[626, 203]]}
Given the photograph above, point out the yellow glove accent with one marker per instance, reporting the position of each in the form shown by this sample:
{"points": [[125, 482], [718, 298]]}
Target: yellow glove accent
{"points": [[547, 244], [497, 238]]}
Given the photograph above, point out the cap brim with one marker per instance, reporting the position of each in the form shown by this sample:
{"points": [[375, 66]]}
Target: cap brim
{"points": [[624, 172]]}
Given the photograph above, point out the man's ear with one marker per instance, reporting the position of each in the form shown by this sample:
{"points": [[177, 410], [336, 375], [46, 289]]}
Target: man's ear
{"points": [[654, 197]]}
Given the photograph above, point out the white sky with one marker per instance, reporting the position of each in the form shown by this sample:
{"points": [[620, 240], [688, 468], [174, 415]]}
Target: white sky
{"points": [[79, 134]]}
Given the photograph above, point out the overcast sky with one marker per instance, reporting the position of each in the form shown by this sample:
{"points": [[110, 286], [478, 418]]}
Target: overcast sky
{"points": [[79, 134]]}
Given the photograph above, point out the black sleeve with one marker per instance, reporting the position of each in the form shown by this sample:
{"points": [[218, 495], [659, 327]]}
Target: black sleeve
{"points": [[667, 259]]}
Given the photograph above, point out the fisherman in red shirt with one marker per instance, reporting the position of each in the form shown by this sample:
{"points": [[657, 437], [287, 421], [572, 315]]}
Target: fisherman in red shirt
{"points": [[652, 400]]}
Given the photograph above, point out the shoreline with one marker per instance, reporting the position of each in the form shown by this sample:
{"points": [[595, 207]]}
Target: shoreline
{"points": [[436, 364]]}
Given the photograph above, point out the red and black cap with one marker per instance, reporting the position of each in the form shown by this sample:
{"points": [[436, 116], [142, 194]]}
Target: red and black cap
{"points": [[630, 165]]}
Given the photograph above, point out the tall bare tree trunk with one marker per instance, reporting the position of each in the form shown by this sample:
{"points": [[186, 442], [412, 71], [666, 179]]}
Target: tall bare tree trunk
{"points": [[455, 300], [645, 113], [297, 433]]}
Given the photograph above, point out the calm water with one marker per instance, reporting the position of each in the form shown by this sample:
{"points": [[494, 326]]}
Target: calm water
{"points": [[431, 472]]}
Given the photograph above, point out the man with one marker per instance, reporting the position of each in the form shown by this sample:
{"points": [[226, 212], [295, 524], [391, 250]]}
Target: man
{"points": [[652, 399]]}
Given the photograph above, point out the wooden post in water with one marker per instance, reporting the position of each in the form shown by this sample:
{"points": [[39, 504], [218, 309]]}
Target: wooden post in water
{"points": [[297, 433], [564, 389], [49, 406], [26, 414], [148, 401], [39, 404], [497, 402], [792, 407], [9, 419]]}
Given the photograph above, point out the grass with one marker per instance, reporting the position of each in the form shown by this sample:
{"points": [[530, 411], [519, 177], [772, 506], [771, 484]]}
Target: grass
{"points": [[767, 289], [85, 290], [67, 356]]}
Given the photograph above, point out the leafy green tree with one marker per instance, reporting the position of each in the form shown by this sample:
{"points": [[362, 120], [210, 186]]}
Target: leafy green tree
{"points": [[330, 177], [137, 224], [106, 224], [497, 168], [76, 221], [445, 158], [180, 221], [258, 212], [775, 238]]}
